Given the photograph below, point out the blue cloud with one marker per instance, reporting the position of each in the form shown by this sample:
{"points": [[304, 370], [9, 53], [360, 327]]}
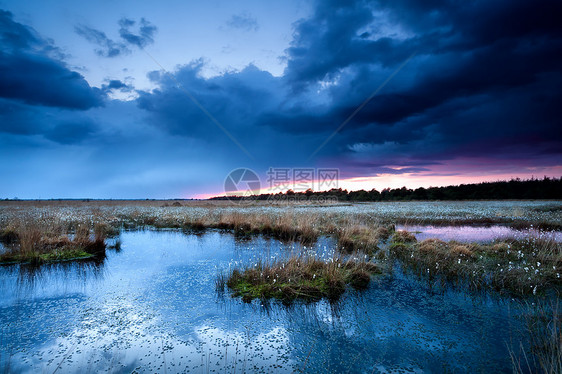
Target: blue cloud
{"points": [[58, 125], [39, 94], [115, 84], [145, 33], [243, 21], [107, 47], [485, 89], [33, 71], [462, 89]]}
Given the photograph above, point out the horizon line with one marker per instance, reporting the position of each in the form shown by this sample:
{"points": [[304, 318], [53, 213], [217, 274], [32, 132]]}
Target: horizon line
{"points": [[533, 178]]}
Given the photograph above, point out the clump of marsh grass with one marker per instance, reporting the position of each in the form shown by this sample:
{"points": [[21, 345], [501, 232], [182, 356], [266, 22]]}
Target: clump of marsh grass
{"points": [[546, 336], [360, 237], [402, 236], [544, 328], [288, 226], [44, 239], [220, 282], [299, 277], [527, 266]]}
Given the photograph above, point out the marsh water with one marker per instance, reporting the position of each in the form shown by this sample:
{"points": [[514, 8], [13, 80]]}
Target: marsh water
{"points": [[152, 307], [483, 234]]}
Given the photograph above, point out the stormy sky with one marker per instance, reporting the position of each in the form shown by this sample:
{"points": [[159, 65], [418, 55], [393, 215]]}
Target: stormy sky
{"points": [[131, 100]]}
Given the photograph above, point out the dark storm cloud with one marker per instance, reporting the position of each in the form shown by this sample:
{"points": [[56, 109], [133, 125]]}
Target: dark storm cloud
{"points": [[40, 97], [32, 71], [15, 36], [235, 99], [484, 83], [484, 86], [243, 21], [41, 80], [108, 47], [238, 101], [486, 73], [335, 37], [55, 124]]}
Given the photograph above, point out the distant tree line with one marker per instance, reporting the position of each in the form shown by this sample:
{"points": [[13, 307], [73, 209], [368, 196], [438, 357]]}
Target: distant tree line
{"points": [[546, 188]]}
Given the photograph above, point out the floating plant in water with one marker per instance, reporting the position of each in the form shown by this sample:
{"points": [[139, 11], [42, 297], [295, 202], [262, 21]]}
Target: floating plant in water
{"points": [[299, 277]]}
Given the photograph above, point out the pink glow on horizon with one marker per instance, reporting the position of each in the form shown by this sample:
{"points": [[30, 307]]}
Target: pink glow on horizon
{"points": [[439, 176], [448, 175]]}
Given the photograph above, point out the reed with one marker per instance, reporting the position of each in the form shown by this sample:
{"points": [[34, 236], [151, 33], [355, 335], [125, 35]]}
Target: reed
{"points": [[544, 329]]}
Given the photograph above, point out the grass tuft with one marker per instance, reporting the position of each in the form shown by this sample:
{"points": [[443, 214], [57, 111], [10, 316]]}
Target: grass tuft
{"points": [[401, 236], [44, 239], [519, 267], [299, 277], [360, 237], [544, 328]]}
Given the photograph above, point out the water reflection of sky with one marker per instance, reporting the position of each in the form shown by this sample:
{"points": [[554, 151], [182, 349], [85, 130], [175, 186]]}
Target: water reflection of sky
{"points": [[477, 233], [153, 306]]}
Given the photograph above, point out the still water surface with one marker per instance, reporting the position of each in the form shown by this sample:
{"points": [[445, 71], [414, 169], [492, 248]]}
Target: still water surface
{"points": [[152, 307], [482, 234]]}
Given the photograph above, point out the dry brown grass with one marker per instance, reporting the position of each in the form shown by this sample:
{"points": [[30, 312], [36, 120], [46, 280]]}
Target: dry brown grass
{"points": [[461, 250], [299, 277], [288, 226], [43, 239], [431, 246], [92, 203], [402, 236], [360, 237], [362, 232], [355, 233], [516, 266]]}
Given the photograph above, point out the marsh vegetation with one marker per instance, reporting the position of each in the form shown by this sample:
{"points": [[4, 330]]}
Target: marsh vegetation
{"points": [[365, 247], [299, 277], [519, 267], [38, 240]]}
